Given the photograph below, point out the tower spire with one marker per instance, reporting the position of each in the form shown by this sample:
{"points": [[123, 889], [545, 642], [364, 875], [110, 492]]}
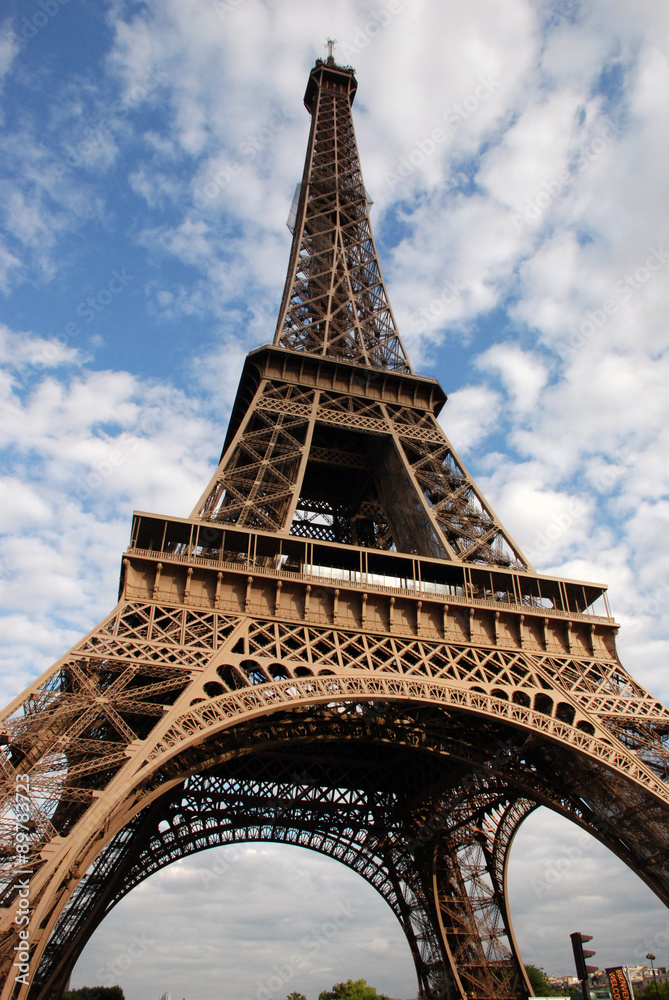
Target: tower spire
{"points": [[334, 301], [341, 648]]}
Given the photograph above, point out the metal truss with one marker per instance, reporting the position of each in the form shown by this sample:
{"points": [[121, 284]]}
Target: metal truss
{"points": [[339, 468], [342, 648], [335, 302]]}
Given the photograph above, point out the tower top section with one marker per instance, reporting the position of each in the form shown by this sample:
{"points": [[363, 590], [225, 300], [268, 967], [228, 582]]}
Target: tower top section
{"points": [[334, 302], [328, 73]]}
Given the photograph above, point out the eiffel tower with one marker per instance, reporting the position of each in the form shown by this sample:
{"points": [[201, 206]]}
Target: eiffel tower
{"points": [[341, 648]]}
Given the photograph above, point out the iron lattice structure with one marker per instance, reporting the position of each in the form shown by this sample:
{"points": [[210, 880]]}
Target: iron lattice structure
{"points": [[340, 648]]}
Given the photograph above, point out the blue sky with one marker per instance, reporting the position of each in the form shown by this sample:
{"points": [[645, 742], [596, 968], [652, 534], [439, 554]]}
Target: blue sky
{"points": [[516, 155]]}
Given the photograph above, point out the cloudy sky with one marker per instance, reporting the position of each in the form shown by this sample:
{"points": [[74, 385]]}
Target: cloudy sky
{"points": [[516, 153]]}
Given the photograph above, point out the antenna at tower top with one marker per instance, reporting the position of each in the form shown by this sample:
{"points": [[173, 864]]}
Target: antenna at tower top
{"points": [[330, 44]]}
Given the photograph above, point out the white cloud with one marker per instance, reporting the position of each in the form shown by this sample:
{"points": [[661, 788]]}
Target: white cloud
{"points": [[478, 296], [470, 415]]}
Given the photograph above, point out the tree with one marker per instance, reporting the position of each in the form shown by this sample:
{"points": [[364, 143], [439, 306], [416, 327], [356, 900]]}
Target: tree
{"points": [[95, 993], [653, 991], [296, 996], [352, 990], [539, 982]]}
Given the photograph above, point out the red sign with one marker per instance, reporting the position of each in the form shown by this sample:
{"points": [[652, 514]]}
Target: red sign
{"points": [[620, 989]]}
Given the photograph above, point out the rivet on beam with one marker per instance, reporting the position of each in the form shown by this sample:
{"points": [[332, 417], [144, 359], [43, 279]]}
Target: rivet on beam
{"points": [[156, 582]]}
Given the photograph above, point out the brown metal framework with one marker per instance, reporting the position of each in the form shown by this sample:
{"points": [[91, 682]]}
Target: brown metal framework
{"points": [[341, 648]]}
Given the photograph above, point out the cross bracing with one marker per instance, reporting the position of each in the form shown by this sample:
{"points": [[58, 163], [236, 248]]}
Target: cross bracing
{"points": [[342, 649]]}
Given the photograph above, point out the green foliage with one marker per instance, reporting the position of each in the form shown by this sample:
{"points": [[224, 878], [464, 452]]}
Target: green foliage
{"points": [[95, 993], [296, 996], [653, 991], [352, 990], [539, 983]]}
